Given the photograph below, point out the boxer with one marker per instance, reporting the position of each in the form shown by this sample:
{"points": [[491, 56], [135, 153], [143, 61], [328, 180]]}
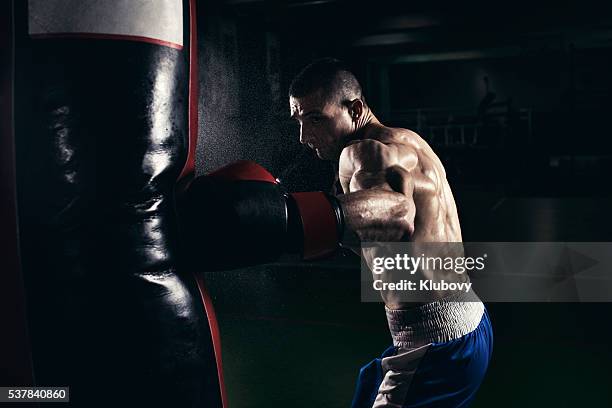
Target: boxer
{"points": [[441, 346]]}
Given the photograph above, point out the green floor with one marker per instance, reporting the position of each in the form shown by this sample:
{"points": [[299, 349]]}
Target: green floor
{"points": [[291, 354]]}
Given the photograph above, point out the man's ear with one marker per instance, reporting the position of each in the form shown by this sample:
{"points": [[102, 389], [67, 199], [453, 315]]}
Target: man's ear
{"points": [[356, 108]]}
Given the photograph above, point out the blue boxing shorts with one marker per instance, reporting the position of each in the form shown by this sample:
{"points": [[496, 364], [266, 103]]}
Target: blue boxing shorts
{"points": [[439, 357]]}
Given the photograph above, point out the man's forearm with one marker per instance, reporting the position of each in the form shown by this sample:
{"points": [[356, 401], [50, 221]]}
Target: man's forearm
{"points": [[378, 214]]}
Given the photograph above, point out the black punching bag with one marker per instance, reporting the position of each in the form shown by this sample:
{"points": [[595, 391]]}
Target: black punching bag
{"points": [[101, 135]]}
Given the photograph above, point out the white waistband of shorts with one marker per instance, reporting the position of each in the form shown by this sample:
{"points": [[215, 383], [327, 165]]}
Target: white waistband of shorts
{"points": [[440, 321]]}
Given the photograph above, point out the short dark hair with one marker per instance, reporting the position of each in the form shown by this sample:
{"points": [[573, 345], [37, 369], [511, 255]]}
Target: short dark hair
{"points": [[331, 76]]}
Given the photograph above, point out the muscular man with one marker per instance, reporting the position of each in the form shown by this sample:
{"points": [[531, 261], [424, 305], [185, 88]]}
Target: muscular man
{"points": [[442, 345]]}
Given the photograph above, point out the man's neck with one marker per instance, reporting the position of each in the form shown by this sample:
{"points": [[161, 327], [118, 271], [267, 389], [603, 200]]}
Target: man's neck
{"points": [[364, 123]]}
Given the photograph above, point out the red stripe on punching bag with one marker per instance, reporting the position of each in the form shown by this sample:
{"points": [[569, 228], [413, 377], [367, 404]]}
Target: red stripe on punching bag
{"points": [[189, 169], [215, 334], [96, 36], [187, 175]]}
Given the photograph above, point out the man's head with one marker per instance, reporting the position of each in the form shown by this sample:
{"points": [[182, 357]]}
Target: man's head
{"points": [[326, 99]]}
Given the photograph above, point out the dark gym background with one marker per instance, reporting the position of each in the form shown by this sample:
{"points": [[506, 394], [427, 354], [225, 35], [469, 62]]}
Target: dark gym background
{"points": [[516, 99]]}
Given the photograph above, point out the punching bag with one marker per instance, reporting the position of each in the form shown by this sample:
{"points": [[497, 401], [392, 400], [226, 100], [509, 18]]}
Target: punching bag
{"points": [[102, 105]]}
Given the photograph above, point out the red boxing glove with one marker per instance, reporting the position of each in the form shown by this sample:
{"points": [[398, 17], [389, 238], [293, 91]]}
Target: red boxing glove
{"points": [[239, 215]]}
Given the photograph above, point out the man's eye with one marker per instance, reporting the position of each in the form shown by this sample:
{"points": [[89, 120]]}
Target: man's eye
{"points": [[315, 120]]}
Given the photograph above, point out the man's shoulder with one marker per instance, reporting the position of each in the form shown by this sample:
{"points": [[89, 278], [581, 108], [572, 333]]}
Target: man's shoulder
{"points": [[375, 155], [400, 136], [365, 150], [389, 136], [383, 140]]}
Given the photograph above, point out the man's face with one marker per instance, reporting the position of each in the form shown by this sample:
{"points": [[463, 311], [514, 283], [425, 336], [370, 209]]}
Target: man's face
{"points": [[324, 125]]}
